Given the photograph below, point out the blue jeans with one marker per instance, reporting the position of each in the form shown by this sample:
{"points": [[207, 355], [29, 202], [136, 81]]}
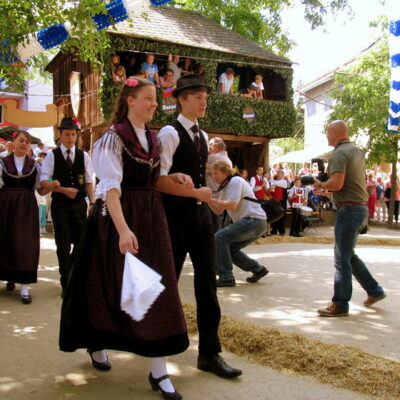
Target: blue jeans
{"points": [[233, 238], [349, 222]]}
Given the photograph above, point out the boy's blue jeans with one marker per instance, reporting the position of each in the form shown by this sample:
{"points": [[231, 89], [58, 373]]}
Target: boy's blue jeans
{"points": [[350, 220], [233, 238]]}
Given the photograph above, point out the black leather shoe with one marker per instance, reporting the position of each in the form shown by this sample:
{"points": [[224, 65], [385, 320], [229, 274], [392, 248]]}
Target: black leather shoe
{"points": [[10, 286], [101, 366], [26, 298], [216, 364], [257, 275], [226, 282], [155, 385]]}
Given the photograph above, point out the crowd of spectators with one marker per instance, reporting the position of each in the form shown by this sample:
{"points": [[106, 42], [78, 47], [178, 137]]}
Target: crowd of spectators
{"points": [[165, 73]]}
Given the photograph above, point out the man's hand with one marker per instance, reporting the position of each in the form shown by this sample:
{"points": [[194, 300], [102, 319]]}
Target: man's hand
{"points": [[317, 183], [55, 185], [203, 194], [70, 192]]}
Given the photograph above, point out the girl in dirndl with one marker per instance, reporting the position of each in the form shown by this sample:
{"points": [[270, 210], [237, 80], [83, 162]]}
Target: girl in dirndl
{"points": [[128, 216], [19, 224]]}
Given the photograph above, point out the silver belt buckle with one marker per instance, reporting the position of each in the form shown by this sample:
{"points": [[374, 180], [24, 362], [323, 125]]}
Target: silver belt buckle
{"points": [[199, 203]]}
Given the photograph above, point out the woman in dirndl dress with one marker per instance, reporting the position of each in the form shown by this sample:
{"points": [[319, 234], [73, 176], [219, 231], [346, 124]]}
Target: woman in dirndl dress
{"points": [[128, 216], [19, 224]]}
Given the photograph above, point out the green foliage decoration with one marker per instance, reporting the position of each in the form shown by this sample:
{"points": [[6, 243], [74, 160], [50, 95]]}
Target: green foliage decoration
{"points": [[362, 98], [225, 113]]}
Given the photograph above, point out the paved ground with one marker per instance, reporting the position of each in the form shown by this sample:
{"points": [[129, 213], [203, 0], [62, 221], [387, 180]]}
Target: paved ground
{"points": [[299, 282]]}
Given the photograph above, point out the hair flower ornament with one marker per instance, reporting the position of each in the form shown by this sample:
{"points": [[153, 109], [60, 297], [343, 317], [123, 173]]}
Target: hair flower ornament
{"points": [[131, 82], [77, 122]]}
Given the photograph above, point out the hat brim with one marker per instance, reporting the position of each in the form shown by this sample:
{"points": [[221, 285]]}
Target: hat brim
{"points": [[179, 90], [69, 128]]}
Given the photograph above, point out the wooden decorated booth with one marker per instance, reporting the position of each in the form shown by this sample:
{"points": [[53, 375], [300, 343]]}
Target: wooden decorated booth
{"points": [[245, 124]]}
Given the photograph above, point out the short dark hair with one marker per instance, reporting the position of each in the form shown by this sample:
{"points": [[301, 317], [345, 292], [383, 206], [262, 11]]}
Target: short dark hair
{"points": [[186, 92], [230, 71]]}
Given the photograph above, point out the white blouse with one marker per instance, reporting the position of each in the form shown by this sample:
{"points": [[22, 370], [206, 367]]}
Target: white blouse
{"points": [[107, 164], [107, 161], [19, 163]]}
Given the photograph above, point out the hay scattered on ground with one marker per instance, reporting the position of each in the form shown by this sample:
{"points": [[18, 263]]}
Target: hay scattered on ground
{"points": [[345, 367], [327, 240]]}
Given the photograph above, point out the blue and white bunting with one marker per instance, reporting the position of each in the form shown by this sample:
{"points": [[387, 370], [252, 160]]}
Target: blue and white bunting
{"points": [[117, 11], [394, 49]]}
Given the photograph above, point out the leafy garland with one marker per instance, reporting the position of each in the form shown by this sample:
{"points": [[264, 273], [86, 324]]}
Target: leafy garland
{"points": [[273, 118]]}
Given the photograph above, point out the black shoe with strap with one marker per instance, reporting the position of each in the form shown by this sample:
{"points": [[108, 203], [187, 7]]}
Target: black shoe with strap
{"points": [[101, 366], [155, 385], [10, 286], [216, 364], [26, 298]]}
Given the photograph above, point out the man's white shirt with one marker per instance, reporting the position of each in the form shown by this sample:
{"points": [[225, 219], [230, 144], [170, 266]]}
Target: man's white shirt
{"points": [[48, 164], [170, 141]]}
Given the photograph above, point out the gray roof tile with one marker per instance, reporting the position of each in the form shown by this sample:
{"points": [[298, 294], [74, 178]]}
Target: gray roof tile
{"points": [[190, 28]]}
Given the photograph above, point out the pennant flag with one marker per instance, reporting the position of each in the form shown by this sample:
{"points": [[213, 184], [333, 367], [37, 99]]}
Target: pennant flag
{"points": [[117, 11], [394, 49]]}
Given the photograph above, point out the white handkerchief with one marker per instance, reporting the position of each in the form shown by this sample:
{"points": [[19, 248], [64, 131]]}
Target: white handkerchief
{"points": [[140, 287]]}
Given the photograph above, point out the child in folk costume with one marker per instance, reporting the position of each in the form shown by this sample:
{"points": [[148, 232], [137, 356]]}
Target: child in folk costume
{"points": [[128, 216], [185, 150], [259, 184], [279, 192], [19, 223], [72, 169], [297, 197]]}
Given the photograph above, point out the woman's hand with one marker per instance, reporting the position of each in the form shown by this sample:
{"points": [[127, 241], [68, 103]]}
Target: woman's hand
{"points": [[203, 194], [182, 179], [128, 242]]}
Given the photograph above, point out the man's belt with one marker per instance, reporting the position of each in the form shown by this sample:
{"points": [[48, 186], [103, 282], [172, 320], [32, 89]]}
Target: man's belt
{"points": [[350, 203]]}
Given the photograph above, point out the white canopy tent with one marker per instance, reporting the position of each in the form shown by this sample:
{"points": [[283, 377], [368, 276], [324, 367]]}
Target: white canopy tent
{"points": [[300, 156]]}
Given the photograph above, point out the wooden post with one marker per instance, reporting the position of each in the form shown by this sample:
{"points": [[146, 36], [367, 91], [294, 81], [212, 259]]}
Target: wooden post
{"points": [[265, 152]]}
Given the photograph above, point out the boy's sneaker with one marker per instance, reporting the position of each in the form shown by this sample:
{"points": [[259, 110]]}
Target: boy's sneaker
{"points": [[230, 282], [257, 275]]}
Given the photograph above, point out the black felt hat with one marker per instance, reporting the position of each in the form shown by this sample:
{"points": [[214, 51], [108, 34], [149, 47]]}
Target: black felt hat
{"points": [[189, 81], [69, 123]]}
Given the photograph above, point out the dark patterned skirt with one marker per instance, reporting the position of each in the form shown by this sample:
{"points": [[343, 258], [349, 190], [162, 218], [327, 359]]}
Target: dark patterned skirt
{"points": [[91, 315], [19, 235]]}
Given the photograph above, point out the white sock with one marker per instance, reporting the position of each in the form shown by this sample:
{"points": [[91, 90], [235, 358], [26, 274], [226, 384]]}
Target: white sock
{"points": [[158, 369], [100, 356], [24, 290]]}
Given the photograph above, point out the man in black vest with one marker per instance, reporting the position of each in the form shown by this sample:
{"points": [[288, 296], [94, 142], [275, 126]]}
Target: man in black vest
{"points": [[72, 168], [185, 150]]}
